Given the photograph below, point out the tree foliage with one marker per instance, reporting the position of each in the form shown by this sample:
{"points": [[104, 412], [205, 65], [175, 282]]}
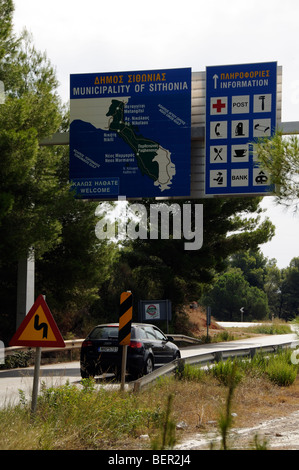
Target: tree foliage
{"points": [[289, 291], [164, 269], [230, 293], [38, 214], [29, 189], [256, 283], [279, 155]]}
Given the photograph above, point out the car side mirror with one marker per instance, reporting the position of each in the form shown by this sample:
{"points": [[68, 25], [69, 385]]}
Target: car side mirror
{"points": [[170, 338]]}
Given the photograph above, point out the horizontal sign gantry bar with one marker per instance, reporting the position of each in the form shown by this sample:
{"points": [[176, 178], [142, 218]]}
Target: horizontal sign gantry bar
{"points": [[197, 133]]}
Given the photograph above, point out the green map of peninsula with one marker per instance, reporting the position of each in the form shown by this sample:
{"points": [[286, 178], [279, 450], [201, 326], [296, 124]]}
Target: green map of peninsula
{"points": [[144, 149]]}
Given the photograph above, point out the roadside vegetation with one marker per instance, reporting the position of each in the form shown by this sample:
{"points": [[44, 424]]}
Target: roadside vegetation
{"points": [[231, 393], [277, 327]]}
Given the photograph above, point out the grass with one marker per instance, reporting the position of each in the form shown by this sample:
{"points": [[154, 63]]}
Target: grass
{"points": [[278, 368], [270, 329], [69, 417], [234, 333]]}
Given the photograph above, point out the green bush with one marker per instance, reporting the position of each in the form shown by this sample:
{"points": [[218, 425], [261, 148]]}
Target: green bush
{"points": [[18, 359], [281, 374], [277, 367], [224, 371], [224, 336], [273, 329], [93, 413], [280, 370], [191, 373]]}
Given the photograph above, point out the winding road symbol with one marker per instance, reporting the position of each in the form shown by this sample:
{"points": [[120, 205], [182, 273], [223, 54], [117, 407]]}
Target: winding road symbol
{"points": [[40, 326], [38, 329]]}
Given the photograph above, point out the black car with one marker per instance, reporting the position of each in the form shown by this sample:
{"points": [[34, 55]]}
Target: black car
{"points": [[149, 348]]}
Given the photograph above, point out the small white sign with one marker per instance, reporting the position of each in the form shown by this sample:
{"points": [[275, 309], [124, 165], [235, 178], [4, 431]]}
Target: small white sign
{"points": [[218, 106], [239, 177], [152, 311], [218, 130], [218, 178], [260, 177], [240, 129], [240, 104], [262, 103], [261, 127], [218, 153], [240, 153]]}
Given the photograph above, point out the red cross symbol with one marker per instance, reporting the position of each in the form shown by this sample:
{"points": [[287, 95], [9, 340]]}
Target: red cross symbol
{"points": [[219, 105]]}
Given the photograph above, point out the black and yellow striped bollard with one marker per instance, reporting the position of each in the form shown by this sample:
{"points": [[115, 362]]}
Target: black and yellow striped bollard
{"points": [[124, 329]]}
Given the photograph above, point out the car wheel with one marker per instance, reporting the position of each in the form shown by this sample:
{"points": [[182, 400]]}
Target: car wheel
{"points": [[177, 355], [149, 365]]}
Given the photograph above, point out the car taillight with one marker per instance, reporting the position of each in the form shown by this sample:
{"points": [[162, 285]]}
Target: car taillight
{"points": [[135, 344], [87, 343]]}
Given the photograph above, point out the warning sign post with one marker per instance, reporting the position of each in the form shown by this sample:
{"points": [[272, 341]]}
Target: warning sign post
{"points": [[38, 330]]}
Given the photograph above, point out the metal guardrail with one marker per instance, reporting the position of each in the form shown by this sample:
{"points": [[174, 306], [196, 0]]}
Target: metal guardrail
{"points": [[167, 369], [76, 344], [208, 358], [69, 345]]}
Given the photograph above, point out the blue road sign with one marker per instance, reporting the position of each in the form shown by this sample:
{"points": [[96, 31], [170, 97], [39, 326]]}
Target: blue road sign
{"points": [[130, 134], [240, 108]]}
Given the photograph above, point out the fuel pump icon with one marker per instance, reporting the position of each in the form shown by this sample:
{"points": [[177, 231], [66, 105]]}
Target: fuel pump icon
{"points": [[239, 130]]}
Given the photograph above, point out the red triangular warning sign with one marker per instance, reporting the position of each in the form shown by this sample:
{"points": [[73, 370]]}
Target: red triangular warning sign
{"points": [[38, 329]]}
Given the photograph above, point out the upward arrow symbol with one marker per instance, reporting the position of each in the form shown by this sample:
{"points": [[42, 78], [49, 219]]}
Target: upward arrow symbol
{"points": [[215, 77]]}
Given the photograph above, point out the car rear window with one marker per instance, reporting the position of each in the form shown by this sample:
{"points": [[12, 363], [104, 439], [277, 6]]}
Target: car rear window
{"points": [[150, 332], [138, 333], [102, 332]]}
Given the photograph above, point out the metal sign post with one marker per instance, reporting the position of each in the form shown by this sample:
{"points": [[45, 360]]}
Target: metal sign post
{"points": [[208, 319], [123, 367], [242, 313], [38, 353]]}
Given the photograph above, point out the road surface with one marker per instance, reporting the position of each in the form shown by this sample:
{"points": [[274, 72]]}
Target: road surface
{"points": [[11, 381]]}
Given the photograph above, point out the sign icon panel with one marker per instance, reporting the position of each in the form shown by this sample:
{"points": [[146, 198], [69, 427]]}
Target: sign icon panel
{"points": [[240, 108], [240, 104], [218, 106], [262, 103]]}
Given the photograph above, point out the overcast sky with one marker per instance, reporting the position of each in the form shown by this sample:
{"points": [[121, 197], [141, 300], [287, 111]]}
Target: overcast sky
{"points": [[92, 36]]}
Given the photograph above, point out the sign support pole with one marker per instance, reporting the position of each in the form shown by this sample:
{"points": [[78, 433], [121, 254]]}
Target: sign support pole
{"points": [[38, 352], [123, 367], [208, 314], [242, 313]]}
